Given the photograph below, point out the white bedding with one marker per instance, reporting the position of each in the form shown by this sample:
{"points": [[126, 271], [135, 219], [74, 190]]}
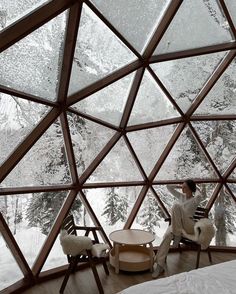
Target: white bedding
{"points": [[214, 279]]}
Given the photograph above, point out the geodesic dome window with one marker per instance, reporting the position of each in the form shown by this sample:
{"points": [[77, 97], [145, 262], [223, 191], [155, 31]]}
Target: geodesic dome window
{"points": [[103, 104]]}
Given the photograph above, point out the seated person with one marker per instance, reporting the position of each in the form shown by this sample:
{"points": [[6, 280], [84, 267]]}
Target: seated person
{"points": [[181, 218]]}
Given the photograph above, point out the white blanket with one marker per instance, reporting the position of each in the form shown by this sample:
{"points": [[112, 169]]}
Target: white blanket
{"points": [[215, 279]]}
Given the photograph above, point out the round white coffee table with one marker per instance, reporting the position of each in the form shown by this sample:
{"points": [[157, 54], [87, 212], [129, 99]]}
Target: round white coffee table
{"points": [[132, 250]]}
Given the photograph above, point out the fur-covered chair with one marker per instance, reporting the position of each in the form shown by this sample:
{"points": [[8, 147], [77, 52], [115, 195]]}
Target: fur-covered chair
{"points": [[82, 249], [204, 232]]}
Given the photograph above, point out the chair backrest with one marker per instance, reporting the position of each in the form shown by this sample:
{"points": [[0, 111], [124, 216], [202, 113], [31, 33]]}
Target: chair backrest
{"points": [[69, 225], [200, 213]]}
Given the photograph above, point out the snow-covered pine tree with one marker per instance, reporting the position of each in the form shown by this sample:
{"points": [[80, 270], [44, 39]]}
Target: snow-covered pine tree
{"points": [[150, 214], [115, 207]]}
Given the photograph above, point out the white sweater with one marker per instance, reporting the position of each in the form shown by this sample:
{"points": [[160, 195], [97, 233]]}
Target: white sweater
{"points": [[189, 205]]}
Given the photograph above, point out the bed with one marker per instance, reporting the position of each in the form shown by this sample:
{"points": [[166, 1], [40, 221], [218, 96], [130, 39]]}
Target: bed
{"points": [[214, 279]]}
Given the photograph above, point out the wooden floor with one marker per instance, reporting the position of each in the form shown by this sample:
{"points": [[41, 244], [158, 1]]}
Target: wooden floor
{"points": [[83, 282]]}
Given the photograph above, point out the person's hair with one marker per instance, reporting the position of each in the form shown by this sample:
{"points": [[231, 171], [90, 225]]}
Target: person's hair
{"points": [[191, 184]]}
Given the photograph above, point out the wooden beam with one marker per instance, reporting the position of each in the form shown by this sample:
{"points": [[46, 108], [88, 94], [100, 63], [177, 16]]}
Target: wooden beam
{"points": [[70, 43], [100, 84], [69, 148], [26, 96], [211, 82], [228, 17], [136, 207], [31, 22], [162, 27], [93, 216], [27, 143], [15, 250], [193, 52], [89, 170], [44, 252], [131, 98]]}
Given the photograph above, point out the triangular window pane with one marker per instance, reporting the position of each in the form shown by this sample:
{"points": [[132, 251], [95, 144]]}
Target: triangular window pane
{"points": [[88, 139], [231, 5], [219, 138], [33, 64], [185, 160], [56, 257], [98, 52], [30, 218], [196, 24], [221, 98], [107, 104], [9, 269], [223, 214], [44, 164], [184, 78], [11, 11], [112, 205], [126, 15], [233, 188], [151, 104], [149, 144], [233, 175], [150, 218], [117, 166], [17, 119], [169, 199]]}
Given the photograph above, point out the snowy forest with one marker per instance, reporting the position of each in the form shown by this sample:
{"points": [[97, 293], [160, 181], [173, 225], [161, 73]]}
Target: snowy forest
{"points": [[33, 66]]}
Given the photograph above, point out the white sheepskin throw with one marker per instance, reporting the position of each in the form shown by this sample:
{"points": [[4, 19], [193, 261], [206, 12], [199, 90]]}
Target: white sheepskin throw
{"points": [[74, 245], [100, 250], [204, 231]]}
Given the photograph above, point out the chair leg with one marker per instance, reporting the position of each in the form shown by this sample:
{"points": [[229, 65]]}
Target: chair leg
{"points": [[105, 267], [198, 256], [209, 254], [95, 273], [71, 266]]}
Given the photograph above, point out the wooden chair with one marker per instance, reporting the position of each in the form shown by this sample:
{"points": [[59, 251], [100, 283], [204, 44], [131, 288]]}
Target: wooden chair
{"points": [[71, 228], [199, 214]]}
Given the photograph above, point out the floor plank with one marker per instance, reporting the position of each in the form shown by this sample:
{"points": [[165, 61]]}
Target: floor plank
{"points": [[83, 282]]}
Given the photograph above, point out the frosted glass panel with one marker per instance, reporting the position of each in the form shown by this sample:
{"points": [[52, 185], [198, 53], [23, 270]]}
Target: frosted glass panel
{"points": [[117, 166], [151, 218], [233, 175], [113, 205], [98, 52], [135, 20], [222, 97], [44, 164], [108, 104], [88, 140], [185, 160], [231, 5], [149, 144], [17, 119], [223, 213], [151, 104], [196, 24], [30, 218], [214, 135], [11, 11], [9, 270], [233, 188], [33, 64], [185, 77]]}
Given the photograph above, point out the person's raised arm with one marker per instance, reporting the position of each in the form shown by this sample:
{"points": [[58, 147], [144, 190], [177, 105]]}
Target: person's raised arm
{"points": [[173, 189]]}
